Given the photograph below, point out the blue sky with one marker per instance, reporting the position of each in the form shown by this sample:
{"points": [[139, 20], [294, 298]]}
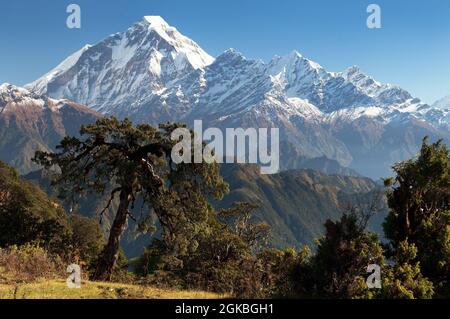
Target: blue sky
{"points": [[411, 49]]}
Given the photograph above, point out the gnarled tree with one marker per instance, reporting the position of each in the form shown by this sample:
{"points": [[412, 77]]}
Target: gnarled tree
{"points": [[134, 162]]}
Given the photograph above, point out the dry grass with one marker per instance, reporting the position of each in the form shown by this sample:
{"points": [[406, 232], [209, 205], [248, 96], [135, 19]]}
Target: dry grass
{"points": [[57, 289], [28, 272]]}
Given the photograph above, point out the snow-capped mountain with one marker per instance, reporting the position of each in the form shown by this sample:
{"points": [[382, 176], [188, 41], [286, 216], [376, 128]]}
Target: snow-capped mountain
{"points": [[152, 73], [126, 71], [31, 122]]}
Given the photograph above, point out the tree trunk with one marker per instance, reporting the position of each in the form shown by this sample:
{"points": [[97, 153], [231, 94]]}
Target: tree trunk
{"points": [[111, 251]]}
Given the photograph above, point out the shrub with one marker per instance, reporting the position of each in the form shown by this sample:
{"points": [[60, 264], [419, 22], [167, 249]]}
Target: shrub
{"points": [[285, 271], [30, 262]]}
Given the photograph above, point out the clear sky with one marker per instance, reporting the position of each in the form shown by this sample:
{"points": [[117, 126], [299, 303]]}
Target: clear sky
{"points": [[411, 49]]}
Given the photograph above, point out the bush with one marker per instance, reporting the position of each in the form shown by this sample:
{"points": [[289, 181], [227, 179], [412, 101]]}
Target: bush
{"points": [[30, 262], [404, 279], [285, 271], [222, 263]]}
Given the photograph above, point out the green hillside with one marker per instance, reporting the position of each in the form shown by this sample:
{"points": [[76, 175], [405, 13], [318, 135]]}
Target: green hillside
{"points": [[296, 203]]}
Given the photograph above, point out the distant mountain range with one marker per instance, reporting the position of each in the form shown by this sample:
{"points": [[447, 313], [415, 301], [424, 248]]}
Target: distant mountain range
{"points": [[295, 203], [31, 122], [152, 73]]}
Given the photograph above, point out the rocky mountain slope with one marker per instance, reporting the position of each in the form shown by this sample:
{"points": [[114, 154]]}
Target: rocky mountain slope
{"points": [[31, 122]]}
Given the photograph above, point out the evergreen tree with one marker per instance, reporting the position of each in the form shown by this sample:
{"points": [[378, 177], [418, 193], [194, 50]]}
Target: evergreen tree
{"points": [[403, 279], [339, 268], [419, 202]]}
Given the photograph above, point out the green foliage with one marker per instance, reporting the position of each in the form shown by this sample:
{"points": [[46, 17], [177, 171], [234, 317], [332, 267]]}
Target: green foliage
{"points": [[19, 226], [417, 227], [239, 221], [28, 216], [223, 259], [404, 279], [226, 251], [223, 263], [86, 239], [286, 271], [228, 260], [338, 269], [419, 199]]}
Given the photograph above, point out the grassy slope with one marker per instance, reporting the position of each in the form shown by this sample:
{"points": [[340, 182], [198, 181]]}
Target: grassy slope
{"points": [[57, 289]]}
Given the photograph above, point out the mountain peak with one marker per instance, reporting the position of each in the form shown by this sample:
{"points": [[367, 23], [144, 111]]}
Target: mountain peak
{"points": [[4, 86], [294, 62], [295, 57], [443, 103], [294, 54], [144, 56], [291, 56], [156, 21], [232, 53], [185, 48], [159, 25], [354, 69]]}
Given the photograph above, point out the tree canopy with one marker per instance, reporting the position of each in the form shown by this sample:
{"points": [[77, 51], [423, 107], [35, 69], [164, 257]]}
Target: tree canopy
{"points": [[419, 201]]}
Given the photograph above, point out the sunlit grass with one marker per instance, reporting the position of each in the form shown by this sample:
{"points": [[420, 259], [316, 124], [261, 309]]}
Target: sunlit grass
{"points": [[57, 289]]}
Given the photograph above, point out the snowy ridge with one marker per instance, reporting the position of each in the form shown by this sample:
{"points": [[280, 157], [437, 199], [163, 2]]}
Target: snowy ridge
{"points": [[12, 96], [39, 86], [126, 69]]}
